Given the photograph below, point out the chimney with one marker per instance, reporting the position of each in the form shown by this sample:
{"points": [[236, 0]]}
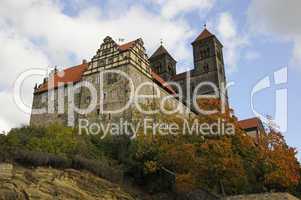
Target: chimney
{"points": [[84, 61]]}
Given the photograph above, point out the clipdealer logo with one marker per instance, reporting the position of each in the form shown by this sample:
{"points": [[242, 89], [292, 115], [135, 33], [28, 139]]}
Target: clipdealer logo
{"points": [[279, 78]]}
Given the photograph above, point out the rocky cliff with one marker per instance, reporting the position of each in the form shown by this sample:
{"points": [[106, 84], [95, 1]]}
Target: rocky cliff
{"points": [[19, 183]]}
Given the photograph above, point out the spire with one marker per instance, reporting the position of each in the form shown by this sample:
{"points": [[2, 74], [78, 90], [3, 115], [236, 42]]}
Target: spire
{"points": [[205, 34], [160, 51]]}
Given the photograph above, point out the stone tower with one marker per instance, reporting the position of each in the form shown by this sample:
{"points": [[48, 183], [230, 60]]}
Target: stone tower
{"points": [[163, 63], [208, 68], [208, 57]]}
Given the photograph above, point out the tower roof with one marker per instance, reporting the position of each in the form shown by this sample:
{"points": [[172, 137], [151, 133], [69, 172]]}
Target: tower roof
{"points": [[160, 51], [204, 35]]}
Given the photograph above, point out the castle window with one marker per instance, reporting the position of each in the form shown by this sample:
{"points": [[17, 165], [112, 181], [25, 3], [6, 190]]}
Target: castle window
{"points": [[206, 68], [204, 53], [139, 61], [88, 99], [98, 111], [207, 53], [44, 97], [106, 51], [112, 78], [101, 63], [110, 60]]}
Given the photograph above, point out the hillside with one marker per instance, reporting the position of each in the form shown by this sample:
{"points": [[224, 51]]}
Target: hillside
{"points": [[168, 165], [21, 183]]}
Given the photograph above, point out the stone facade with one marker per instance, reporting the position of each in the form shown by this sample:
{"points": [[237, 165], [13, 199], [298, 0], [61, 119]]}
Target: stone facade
{"points": [[163, 63], [114, 89], [208, 67]]}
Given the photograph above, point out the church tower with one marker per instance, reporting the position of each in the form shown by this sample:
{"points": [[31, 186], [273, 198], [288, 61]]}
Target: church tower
{"points": [[208, 59], [207, 53], [163, 63]]}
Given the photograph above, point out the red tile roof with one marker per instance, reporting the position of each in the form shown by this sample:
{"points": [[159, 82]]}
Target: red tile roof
{"points": [[162, 83], [70, 75], [127, 46], [250, 123], [205, 34]]}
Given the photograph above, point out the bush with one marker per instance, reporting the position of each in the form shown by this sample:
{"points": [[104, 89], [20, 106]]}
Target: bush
{"points": [[101, 169], [37, 159]]}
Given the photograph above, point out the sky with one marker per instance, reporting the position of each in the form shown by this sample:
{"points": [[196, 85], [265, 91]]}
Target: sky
{"points": [[260, 37]]}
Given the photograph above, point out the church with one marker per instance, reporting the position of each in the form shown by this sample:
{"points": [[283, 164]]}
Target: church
{"points": [[158, 72]]}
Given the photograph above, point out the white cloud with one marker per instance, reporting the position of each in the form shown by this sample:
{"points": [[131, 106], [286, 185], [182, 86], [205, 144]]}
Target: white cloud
{"points": [[17, 55], [62, 35], [10, 115], [280, 19], [37, 33], [173, 8], [233, 41]]}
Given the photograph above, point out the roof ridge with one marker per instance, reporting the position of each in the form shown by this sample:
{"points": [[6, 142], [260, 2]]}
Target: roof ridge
{"points": [[161, 50], [127, 45], [75, 66], [204, 35]]}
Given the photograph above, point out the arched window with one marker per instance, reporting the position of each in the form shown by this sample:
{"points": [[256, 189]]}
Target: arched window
{"points": [[207, 52]]}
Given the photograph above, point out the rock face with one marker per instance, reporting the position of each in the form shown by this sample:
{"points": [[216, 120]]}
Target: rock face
{"points": [[268, 196], [18, 183]]}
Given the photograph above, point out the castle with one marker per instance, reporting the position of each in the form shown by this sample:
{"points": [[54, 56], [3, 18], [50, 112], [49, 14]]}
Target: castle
{"points": [[130, 59]]}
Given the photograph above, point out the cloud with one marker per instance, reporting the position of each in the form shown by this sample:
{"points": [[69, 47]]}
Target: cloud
{"points": [[43, 33], [62, 36], [233, 41], [10, 115], [18, 54], [280, 19], [173, 8]]}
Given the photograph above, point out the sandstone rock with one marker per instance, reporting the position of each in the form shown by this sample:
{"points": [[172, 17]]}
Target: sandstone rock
{"points": [[49, 184], [267, 196], [6, 171]]}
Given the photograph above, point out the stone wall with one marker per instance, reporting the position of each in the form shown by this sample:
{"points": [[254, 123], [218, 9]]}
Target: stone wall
{"points": [[115, 91]]}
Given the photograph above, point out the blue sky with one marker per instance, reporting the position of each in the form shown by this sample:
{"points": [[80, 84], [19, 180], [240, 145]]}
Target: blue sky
{"points": [[259, 37]]}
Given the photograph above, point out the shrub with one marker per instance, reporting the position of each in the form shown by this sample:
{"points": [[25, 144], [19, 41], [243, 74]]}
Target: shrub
{"points": [[101, 169], [36, 159]]}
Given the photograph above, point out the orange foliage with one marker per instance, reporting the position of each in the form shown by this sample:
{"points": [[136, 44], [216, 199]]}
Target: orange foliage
{"points": [[283, 168], [185, 183], [233, 161]]}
